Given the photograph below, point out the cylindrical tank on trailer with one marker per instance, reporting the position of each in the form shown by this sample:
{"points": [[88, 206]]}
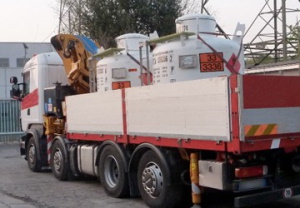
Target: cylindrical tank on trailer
{"points": [[121, 68], [197, 53]]}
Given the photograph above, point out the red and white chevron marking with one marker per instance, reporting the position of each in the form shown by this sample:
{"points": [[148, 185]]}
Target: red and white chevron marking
{"points": [[49, 143]]}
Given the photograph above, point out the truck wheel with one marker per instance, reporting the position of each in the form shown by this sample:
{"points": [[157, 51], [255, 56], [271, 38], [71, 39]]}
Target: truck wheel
{"points": [[34, 163], [112, 173], [59, 163], [155, 187]]}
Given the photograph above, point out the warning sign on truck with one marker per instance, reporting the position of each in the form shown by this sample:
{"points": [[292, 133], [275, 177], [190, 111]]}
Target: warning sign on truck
{"points": [[211, 62]]}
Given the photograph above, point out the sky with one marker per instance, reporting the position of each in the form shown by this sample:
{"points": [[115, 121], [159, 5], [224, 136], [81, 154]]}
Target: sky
{"points": [[28, 20], [229, 12], [37, 20]]}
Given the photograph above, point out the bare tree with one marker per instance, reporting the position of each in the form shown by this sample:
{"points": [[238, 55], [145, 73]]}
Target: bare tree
{"points": [[191, 6], [103, 20]]}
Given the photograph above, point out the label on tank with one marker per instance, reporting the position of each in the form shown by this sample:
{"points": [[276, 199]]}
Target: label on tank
{"points": [[156, 75], [182, 28], [161, 66], [101, 75], [211, 62], [121, 85], [162, 59], [172, 70], [165, 71]]}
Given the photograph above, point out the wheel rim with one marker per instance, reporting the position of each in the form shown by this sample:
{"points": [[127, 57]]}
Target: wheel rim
{"points": [[111, 171], [31, 154], [152, 179], [57, 159]]}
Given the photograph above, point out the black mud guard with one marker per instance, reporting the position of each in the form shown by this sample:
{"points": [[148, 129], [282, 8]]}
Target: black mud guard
{"points": [[64, 143], [73, 160], [36, 136]]}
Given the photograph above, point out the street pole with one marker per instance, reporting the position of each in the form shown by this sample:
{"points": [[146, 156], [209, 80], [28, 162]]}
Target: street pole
{"points": [[275, 31], [284, 38]]}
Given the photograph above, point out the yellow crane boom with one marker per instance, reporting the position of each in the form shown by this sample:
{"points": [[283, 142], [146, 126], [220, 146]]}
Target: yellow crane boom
{"points": [[75, 52]]}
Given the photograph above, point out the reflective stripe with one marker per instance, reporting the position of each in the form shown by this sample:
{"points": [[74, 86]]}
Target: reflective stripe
{"points": [[49, 144], [195, 189], [260, 130]]}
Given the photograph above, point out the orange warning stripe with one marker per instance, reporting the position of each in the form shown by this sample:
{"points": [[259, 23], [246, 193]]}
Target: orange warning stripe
{"points": [[261, 130]]}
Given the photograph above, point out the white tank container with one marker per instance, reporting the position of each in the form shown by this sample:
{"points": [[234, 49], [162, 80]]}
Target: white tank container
{"points": [[122, 69], [188, 58]]}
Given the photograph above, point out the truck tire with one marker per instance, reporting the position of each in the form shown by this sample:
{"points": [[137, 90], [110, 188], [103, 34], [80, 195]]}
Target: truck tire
{"points": [[155, 187], [112, 173], [33, 161], [59, 163]]}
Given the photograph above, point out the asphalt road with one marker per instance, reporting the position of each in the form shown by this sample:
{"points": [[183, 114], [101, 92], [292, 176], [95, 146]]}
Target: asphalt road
{"points": [[44, 191]]}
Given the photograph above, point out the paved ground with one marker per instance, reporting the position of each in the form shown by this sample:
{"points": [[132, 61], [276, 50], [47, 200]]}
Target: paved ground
{"points": [[21, 188], [7, 201]]}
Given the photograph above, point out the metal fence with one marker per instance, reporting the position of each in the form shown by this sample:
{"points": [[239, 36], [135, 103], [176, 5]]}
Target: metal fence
{"points": [[10, 126]]}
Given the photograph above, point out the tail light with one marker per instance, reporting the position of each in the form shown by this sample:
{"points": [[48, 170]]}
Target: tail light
{"points": [[253, 171]]}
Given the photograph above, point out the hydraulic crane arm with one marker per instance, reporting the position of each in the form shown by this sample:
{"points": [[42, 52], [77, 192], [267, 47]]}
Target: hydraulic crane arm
{"points": [[75, 52]]}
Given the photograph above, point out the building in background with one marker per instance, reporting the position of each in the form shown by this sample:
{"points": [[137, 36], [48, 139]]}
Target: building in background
{"points": [[13, 56]]}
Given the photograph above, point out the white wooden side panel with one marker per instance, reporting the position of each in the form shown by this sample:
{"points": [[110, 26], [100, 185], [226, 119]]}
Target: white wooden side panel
{"points": [[195, 109], [95, 113]]}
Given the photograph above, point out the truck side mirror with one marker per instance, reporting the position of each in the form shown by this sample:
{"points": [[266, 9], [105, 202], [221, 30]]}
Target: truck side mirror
{"points": [[13, 80], [15, 91]]}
